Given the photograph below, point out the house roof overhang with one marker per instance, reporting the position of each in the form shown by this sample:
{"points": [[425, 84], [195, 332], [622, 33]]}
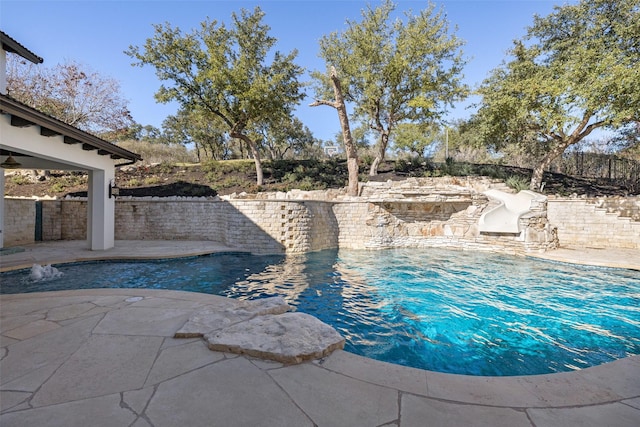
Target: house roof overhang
{"points": [[23, 115], [11, 45]]}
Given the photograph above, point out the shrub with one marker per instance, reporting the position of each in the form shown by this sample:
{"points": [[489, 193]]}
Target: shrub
{"points": [[20, 180], [152, 180], [57, 187], [518, 183]]}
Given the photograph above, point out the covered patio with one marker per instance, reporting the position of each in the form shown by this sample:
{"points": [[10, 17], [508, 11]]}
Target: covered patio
{"points": [[31, 139]]}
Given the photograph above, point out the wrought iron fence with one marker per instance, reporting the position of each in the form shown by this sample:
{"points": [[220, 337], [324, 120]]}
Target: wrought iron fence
{"points": [[595, 165]]}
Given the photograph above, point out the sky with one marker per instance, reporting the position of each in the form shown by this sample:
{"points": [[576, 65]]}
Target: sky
{"points": [[96, 34]]}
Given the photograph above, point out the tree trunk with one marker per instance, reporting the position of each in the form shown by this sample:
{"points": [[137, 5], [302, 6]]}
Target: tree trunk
{"points": [[538, 171], [256, 155], [349, 146], [352, 154], [382, 149]]}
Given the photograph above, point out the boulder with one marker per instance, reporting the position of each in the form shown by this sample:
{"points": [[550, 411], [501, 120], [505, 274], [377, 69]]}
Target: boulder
{"points": [[287, 338], [212, 318]]}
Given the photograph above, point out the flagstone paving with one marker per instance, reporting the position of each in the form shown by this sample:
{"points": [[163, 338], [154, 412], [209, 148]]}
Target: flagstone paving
{"points": [[100, 367], [108, 357]]}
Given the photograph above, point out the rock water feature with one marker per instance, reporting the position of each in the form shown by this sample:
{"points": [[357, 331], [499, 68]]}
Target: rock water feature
{"points": [[39, 272], [263, 328]]}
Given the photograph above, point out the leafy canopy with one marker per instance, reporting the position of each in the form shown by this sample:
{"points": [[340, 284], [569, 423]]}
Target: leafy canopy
{"points": [[576, 70], [224, 70], [396, 70], [225, 73]]}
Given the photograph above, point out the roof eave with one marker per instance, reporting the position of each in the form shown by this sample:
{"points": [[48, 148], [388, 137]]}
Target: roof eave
{"points": [[11, 106], [11, 45]]}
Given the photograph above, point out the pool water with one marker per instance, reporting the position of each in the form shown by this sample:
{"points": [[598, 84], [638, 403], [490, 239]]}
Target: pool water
{"points": [[449, 311]]}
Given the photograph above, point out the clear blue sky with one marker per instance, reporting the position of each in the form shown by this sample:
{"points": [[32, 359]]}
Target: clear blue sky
{"points": [[96, 33]]}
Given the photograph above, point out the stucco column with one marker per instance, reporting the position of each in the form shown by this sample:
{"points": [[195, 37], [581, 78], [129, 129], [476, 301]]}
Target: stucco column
{"points": [[2, 208], [100, 210]]}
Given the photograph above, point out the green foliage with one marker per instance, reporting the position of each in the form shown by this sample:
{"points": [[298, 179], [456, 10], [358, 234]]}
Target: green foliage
{"points": [[326, 173], [453, 168], [518, 183], [412, 164], [225, 74], [19, 180], [492, 171], [152, 180], [217, 170], [395, 71], [158, 153], [416, 138], [575, 71], [287, 138], [230, 182]]}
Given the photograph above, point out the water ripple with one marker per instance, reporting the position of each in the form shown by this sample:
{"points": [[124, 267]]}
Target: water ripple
{"points": [[459, 312]]}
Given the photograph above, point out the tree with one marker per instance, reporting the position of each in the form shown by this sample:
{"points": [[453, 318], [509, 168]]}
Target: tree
{"points": [[71, 93], [208, 135], [289, 138], [396, 71], [347, 139], [224, 73], [415, 138], [575, 71], [627, 141]]}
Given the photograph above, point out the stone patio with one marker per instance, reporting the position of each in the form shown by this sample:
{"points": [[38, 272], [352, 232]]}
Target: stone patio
{"points": [[109, 358]]}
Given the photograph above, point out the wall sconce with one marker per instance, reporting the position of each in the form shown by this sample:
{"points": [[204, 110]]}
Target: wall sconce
{"points": [[113, 190], [10, 163]]}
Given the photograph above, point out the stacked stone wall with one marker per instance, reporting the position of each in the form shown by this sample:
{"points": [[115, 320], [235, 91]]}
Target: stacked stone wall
{"points": [[73, 222], [256, 225], [296, 226], [594, 224], [19, 221], [432, 224], [52, 220]]}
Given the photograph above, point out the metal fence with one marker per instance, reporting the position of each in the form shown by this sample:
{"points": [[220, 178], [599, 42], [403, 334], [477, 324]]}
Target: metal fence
{"points": [[594, 165]]}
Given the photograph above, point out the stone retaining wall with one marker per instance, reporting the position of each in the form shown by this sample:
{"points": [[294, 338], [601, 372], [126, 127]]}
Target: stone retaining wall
{"points": [[381, 225], [19, 221], [288, 226], [294, 226], [596, 222]]}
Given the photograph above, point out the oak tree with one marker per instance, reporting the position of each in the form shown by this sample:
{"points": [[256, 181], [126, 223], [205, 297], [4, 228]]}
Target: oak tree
{"points": [[350, 149], [396, 70], [226, 73], [575, 71]]}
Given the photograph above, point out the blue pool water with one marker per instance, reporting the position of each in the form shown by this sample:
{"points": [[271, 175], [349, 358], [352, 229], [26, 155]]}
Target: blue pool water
{"points": [[448, 311]]}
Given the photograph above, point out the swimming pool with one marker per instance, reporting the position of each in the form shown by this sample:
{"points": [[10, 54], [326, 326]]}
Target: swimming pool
{"points": [[449, 311]]}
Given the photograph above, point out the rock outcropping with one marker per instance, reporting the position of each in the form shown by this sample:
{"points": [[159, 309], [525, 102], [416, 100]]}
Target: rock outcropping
{"points": [[263, 328]]}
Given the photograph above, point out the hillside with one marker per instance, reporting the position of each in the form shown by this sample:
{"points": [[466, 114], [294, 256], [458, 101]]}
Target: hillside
{"points": [[236, 176]]}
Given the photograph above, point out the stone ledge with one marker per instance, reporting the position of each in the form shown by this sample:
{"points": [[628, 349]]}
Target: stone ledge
{"points": [[263, 328], [212, 318], [288, 338]]}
